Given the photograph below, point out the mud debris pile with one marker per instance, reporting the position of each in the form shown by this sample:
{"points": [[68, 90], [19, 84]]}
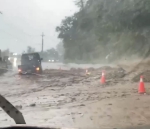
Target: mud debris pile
{"points": [[140, 69], [116, 73], [78, 75], [145, 74]]}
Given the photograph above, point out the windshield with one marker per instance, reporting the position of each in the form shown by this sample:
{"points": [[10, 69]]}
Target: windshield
{"points": [[76, 63], [30, 57]]}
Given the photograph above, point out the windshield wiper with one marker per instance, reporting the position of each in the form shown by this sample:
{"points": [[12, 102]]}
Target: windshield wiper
{"points": [[11, 110]]}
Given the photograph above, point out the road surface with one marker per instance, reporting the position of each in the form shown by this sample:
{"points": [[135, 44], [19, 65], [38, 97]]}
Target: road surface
{"points": [[71, 99]]}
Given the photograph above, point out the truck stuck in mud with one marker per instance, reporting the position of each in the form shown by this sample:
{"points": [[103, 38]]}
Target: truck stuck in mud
{"points": [[30, 63]]}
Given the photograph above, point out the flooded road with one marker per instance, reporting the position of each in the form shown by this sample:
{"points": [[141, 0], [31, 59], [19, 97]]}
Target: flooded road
{"points": [[65, 98]]}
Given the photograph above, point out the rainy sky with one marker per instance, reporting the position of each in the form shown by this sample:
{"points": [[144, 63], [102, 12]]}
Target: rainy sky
{"points": [[23, 21]]}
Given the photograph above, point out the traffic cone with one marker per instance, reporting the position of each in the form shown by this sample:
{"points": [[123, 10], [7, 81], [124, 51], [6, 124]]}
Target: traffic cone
{"points": [[141, 86], [87, 72], [103, 80]]}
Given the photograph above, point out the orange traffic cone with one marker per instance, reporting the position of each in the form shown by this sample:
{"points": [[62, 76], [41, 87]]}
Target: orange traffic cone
{"points": [[103, 80], [87, 72], [141, 86]]}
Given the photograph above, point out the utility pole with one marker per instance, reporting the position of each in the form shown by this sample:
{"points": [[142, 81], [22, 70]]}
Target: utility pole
{"points": [[42, 41]]}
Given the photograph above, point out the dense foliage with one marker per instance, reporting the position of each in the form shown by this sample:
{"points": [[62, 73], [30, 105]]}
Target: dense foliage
{"points": [[50, 54], [101, 27]]}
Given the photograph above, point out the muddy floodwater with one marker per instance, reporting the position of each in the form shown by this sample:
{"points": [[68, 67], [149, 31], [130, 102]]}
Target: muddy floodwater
{"points": [[64, 96]]}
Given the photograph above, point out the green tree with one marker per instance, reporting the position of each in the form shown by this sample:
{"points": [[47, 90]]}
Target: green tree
{"points": [[5, 53], [30, 49], [104, 26], [52, 53], [80, 3], [60, 48]]}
